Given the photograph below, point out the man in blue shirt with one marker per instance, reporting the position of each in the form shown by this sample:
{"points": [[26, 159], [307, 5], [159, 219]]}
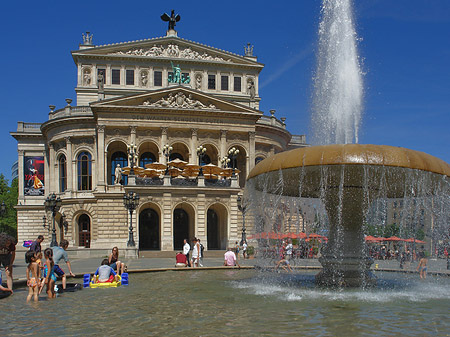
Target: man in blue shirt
{"points": [[60, 253]]}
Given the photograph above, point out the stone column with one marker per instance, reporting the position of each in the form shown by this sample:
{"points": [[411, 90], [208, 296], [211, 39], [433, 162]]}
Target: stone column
{"points": [[71, 173], [133, 134], [193, 147], [101, 154], [21, 175], [163, 142], [47, 165], [223, 144], [251, 150], [52, 182], [166, 223], [200, 227], [94, 164]]}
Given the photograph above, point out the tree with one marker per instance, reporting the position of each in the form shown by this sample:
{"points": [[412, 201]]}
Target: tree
{"points": [[9, 195]]}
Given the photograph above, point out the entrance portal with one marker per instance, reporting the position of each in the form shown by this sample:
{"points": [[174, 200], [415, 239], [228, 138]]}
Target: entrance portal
{"points": [[149, 230], [84, 229], [180, 228], [213, 230]]}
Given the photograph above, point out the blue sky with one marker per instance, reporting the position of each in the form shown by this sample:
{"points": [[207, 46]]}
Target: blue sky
{"points": [[405, 48]]}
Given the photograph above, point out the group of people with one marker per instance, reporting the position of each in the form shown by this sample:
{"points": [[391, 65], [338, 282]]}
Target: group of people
{"points": [[182, 259]]}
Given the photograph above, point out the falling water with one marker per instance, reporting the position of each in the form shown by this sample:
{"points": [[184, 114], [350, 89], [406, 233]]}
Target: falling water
{"points": [[338, 85]]}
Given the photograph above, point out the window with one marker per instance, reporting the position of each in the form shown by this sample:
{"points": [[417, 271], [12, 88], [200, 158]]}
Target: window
{"points": [[62, 173], [205, 160], [129, 77], [237, 83], [157, 78], [115, 76], [224, 83], [258, 160], [175, 155], [147, 158], [211, 81], [121, 159], [84, 166]]}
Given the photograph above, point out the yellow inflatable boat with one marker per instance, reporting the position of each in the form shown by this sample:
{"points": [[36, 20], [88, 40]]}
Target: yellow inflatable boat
{"points": [[114, 284]]}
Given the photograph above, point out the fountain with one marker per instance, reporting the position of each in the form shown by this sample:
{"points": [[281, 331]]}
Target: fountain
{"points": [[346, 178]]}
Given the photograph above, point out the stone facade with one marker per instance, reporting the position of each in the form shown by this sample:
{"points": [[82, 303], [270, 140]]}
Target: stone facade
{"points": [[125, 98]]}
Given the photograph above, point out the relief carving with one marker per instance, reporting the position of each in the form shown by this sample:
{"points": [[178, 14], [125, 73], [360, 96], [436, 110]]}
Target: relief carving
{"points": [[171, 51], [179, 100]]}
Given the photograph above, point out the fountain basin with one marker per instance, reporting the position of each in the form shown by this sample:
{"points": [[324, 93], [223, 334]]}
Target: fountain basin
{"points": [[348, 178]]}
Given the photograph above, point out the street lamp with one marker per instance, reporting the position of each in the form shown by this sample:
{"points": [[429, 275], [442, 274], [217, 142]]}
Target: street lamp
{"points": [[167, 149], [201, 153], [131, 202], [233, 154], [224, 161], [3, 209], [53, 204], [132, 156], [242, 207]]}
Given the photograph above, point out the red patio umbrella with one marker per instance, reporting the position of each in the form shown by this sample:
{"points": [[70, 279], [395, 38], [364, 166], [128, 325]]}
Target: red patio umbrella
{"points": [[413, 240], [393, 238], [290, 236]]}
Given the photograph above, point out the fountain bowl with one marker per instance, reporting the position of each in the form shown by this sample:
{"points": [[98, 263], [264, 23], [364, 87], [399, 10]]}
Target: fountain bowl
{"points": [[347, 178]]}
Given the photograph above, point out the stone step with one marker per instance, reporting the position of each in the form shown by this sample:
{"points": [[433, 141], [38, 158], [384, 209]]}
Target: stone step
{"points": [[171, 254]]}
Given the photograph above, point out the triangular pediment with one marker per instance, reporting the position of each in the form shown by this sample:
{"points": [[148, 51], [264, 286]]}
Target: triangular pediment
{"points": [[174, 98], [173, 48]]}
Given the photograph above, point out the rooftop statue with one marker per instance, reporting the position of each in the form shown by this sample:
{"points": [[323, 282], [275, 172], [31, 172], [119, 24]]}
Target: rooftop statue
{"points": [[172, 19]]}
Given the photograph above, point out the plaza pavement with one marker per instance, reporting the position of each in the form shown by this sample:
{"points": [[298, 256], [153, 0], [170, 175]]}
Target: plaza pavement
{"points": [[156, 262]]}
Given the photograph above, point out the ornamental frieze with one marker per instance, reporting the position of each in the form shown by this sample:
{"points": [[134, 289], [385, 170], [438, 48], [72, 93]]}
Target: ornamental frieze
{"points": [[179, 100], [170, 51]]}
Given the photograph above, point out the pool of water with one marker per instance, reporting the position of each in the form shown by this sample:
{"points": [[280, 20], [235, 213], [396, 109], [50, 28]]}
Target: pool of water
{"points": [[236, 303]]}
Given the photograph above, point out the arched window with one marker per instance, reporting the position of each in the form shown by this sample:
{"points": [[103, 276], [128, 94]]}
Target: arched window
{"points": [[205, 160], [146, 158], [84, 166], [175, 155], [62, 173], [258, 159], [121, 159]]}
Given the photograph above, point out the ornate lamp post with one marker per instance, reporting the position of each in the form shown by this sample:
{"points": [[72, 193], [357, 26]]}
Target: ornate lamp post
{"points": [[131, 202], [233, 154], [201, 153], [3, 209], [167, 149], [53, 204], [225, 161], [242, 207], [132, 156]]}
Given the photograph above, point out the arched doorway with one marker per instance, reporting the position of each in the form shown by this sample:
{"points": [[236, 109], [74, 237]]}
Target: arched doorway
{"points": [[216, 227], [149, 230], [180, 228], [84, 231], [213, 230]]}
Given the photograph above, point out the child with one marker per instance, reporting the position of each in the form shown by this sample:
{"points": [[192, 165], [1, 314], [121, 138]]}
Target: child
{"points": [[105, 273], [50, 277], [34, 281]]}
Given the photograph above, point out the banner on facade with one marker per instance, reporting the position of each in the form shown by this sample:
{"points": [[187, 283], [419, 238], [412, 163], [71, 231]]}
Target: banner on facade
{"points": [[33, 168]]}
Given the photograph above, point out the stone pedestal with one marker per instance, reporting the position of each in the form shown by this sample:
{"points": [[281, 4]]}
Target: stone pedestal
{"points": [[131, 253], [345, 260]]}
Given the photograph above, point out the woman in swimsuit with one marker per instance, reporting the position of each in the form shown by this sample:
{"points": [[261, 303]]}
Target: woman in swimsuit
{"points": [[33, 281], [114, 262]]}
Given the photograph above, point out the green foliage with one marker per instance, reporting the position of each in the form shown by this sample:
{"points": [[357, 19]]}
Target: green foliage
{"points": [[9, 195], [250, 250], [391, 230]]}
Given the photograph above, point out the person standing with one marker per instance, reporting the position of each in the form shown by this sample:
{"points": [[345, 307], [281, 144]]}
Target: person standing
{"points": [[195, 253], [36, 245], [244, 249], [59, 253], [422, 267], [186, 249], [289, 250], [202, 248], [7, 256]]}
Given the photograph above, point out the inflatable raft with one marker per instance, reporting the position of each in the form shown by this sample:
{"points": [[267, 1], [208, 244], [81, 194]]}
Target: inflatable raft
{"points": [[113, 284]]}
